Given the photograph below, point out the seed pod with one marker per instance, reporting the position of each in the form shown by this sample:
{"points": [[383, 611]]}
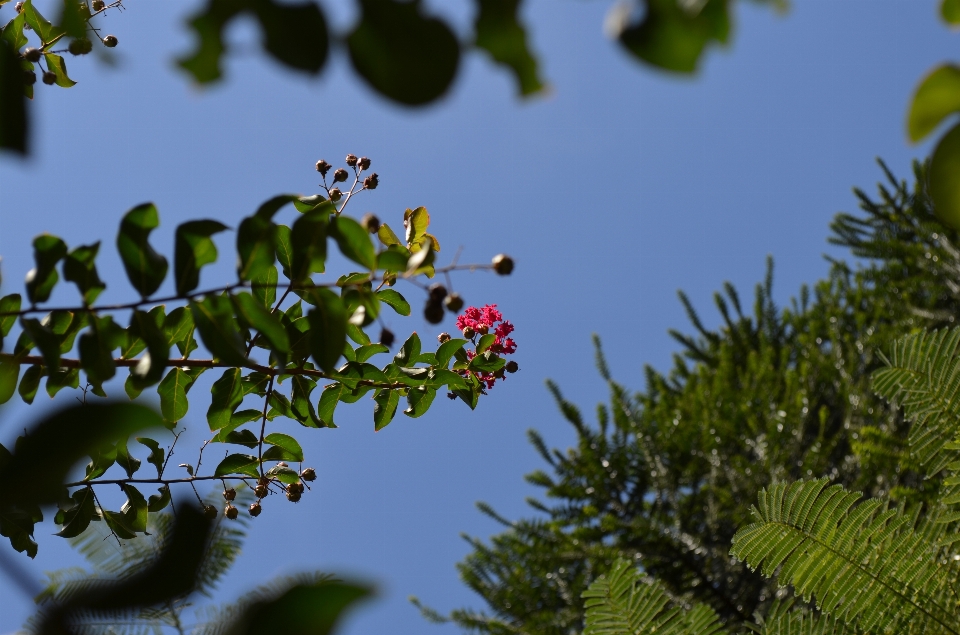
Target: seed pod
{"points": [[293, 497], [110, 41], [295, 487], [229, 494], [230, 512], [512, 367], [335, 194], [282, 464], [503, 264], [351, 160], [81, 46], [450, 395], [453, 302], [98, 5], [309, 474], [370, 222], [210, 512], [433, 312], [363, 163], [29, 78], [261, 491], [483, 329], [49, 78], [19, 7], [443, 338], [371, 182], [32, 54], [255, 509], [323, 167], [437, 292], [340, 175], [468, 332], [386, 337]]}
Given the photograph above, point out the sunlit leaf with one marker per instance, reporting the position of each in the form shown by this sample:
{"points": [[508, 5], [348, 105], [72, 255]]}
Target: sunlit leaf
{"points": [[937, 97]]}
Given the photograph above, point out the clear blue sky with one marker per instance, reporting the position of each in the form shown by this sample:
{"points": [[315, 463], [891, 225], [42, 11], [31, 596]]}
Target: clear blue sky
{"points": [[620, 187]]}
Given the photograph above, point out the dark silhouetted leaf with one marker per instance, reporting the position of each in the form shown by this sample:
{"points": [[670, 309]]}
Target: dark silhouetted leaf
{"points": [[294, 34], [672, 36], [226, 396], [256, 239], [238, 464], [308, 242], [500, 34], [395, 300], [9, 374], [328, 328], [158, 502], [944, 187], [156, 453], [79, 268], [75, 516], [96, 349], [129, 463], [9, 304], [354, 241], [30, 383], [193, 249], [404, 55], [218, 330], [44, 339], [385, 407], [14, 123], [145, 268], [145, 326], [254, 315], [47, 252], [314, 609]]}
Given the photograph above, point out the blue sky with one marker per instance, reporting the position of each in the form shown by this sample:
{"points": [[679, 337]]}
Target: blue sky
{"points": [[615, 190]]}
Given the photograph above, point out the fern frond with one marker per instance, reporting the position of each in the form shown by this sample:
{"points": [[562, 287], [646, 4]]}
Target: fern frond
{"points": [[863, 563], [923, 376], [785, 619], [624, 602]]}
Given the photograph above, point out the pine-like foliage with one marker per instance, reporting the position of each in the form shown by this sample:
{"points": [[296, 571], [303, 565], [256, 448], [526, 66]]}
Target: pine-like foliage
{"points": [[624, 602], [866, 564], [772, 395]]}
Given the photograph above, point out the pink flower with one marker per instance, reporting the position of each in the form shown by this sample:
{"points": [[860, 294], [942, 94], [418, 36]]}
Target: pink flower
{"points": [[489, 317]]}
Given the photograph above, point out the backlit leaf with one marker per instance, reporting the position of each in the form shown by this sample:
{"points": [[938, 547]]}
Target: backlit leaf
{"points": [[145, 268], [193, 249]]}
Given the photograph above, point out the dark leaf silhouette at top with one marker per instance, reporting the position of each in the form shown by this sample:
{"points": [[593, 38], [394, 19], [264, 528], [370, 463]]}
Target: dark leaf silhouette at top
{"points": [[501, 35], [13, 108]]}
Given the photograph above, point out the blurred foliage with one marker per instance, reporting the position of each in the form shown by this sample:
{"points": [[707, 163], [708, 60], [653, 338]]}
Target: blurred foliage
{"points": [[665, 476], [397, 47]]}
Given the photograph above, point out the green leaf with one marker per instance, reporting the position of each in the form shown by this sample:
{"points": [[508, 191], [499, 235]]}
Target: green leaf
{"points": [[44, 339], [43, 28], [308, 241], [416, 222], [500, 34], [359, 279], [486, 363], [145, 268], [471, 394], [193, 249], [937, 97], [366, 352], [58, 67], [294, 34], [286, 443], [14, 121], [158, 503], [409, 351], [30, 383], [283, 474], [357, 335], [315, 608], [75, 517], [79, 268], [178, 327], [256, 238], [276, 453], [447, 350], [486, 341], [204, 64], [156, 454], [385, 408], [386, 236], [300, 403], [74, 18], [101, 460], [284, 245], [944, 188], [147, 327], [395, 258], [116, 523], [307, 203], [401, 53], [96, 349], [329, 399], [173, 395], [47, 252], [226, 396], [238, 464], [129, 464], [238, 437], [218, 330], [419, 400], [134, 511], [8, 304], [9, 373], [673, 37], [354, 241], [254, 315], [328, 328], [950, 11], [264, 286], [395, 300], [63, 378]]}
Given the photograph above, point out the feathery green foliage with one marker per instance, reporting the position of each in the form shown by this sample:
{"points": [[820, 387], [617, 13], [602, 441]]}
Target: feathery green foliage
{"points": [[623, 601]]}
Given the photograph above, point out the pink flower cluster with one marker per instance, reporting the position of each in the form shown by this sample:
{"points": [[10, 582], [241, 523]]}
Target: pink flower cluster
{"points": [[489, 320]]}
